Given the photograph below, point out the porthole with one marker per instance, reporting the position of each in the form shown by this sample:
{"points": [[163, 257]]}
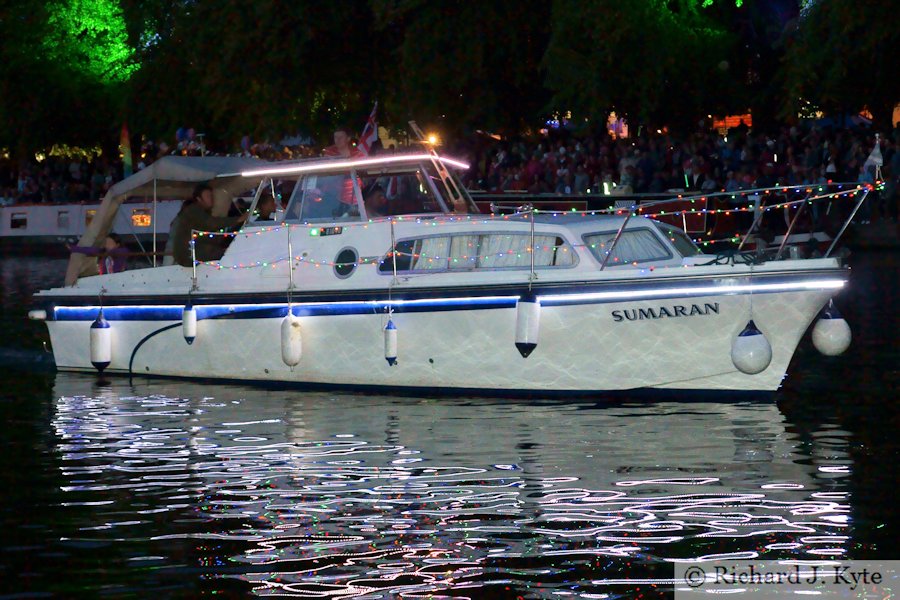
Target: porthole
{"points": [[345, 262]]}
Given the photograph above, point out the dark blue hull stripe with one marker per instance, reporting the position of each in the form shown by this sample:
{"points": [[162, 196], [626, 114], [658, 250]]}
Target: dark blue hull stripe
{"points": [[272, 311], [267, 306]]}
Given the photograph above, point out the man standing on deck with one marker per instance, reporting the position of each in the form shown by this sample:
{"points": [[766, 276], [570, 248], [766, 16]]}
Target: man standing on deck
{"points": [[343, 148], [196, 214], [343, 145]]}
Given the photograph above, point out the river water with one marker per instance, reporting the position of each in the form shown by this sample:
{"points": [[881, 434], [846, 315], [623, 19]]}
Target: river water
{"points": [[161, 488]]}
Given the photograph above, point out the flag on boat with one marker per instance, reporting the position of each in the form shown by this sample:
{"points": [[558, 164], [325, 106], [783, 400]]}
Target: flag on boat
{"points": [[875, 157], [369, 134], [875, 160]]}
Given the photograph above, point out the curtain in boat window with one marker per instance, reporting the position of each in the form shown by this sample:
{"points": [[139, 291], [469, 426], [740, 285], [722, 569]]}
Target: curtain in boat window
{"points": [[464, 251], [505, 250], [499, 250], [489, 251], [637, 245], [431, 254], [547, 251]]}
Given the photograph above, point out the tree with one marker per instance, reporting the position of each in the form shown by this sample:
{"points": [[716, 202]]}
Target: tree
{"points": [[660, 62], [464, 64], [62, 64], [232, 68], [89, 37], [755, 57], [842, 56]]}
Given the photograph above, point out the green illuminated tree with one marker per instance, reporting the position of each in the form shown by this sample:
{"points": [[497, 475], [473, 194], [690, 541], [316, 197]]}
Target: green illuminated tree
{"points": [[61, 67], [90, 36]]}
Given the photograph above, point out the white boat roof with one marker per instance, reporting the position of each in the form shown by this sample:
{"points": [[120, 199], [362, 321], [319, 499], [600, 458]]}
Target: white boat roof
{"points": [[176, 176], [170, 177], [331, 165], [580, 223]]}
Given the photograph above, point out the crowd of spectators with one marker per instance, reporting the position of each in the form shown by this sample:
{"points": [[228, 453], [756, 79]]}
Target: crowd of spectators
{"points": [[557, 163], [57, 179], [87, 176], [706, 161]]}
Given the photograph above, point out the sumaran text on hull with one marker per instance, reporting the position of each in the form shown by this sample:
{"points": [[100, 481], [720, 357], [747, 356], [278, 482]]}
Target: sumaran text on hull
{"points": [[380, 272]]}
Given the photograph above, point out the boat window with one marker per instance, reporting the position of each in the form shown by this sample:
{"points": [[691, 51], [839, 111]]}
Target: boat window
{"points": [[62, 219], [448, 195], [482, 251], [635, 246], [141, 217], [402, 193], [684, 244], [18, 221], [265, 207], [324, 198]]}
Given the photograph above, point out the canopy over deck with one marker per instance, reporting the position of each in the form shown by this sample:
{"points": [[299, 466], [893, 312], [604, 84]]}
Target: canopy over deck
{"points": [[169, 177]]}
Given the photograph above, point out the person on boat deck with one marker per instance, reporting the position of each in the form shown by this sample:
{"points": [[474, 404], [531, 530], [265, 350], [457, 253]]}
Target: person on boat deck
{"points": [[376, 203], [265, 208], [343, 145], [113, 255], [196, 214], [345, 148]]}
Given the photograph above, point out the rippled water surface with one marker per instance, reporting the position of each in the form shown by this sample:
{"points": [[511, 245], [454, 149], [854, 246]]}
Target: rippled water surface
{"points": [[167, 488]]}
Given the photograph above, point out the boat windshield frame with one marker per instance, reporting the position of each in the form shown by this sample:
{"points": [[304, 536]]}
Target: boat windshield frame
{"points": [[425, 166]]}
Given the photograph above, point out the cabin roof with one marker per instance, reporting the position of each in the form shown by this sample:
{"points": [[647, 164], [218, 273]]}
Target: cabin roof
{"points": [[337, 165], [591, 223], [176, 176]]}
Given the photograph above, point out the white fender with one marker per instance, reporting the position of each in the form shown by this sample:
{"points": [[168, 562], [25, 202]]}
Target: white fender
{"points": [[831, 333], [751, 352], [528, 324], [291, 340], [101, 342], [189, 323], [390, 342]]}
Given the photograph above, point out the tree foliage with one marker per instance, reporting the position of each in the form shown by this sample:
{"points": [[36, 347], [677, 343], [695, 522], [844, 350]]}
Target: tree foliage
{"points": [[656, 61], [234, 68], [59, 73], [72, 70], [89, 37], [842, 56], [464, 64]]}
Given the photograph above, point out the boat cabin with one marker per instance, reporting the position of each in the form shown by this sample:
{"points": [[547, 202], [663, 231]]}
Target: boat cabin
{"points": [[329, 190]]}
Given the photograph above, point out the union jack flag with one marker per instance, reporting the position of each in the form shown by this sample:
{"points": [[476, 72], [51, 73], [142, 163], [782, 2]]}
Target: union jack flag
{"points": [[369, 134]]}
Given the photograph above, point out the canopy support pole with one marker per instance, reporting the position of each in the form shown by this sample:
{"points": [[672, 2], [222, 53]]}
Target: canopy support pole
{"points": [[154, 222]]}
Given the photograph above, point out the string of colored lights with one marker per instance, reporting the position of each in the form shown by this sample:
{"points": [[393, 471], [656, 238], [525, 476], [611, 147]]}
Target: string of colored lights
{"points": [[305, 260], [640, 209], [315, 229]]}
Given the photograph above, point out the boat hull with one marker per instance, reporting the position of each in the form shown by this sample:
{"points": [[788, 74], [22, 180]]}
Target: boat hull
{"points": [[584, 345]]}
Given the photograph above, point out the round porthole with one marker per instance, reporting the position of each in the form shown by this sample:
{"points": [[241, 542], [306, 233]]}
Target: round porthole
{"points": [[345, 262]]}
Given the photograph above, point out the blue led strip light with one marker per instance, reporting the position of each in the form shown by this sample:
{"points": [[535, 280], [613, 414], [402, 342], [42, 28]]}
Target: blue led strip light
{"points": [[251, 310]]}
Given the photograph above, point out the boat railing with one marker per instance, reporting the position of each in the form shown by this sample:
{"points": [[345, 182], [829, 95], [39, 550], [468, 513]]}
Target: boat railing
{"points": [[758, 204], [728, 209]]}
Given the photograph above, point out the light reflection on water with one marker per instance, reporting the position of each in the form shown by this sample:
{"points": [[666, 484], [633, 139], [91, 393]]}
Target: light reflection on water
{"points": [[337, 495]]}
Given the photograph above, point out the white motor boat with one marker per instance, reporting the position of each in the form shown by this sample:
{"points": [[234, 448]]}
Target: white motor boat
{"points": [[380, 273]]}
